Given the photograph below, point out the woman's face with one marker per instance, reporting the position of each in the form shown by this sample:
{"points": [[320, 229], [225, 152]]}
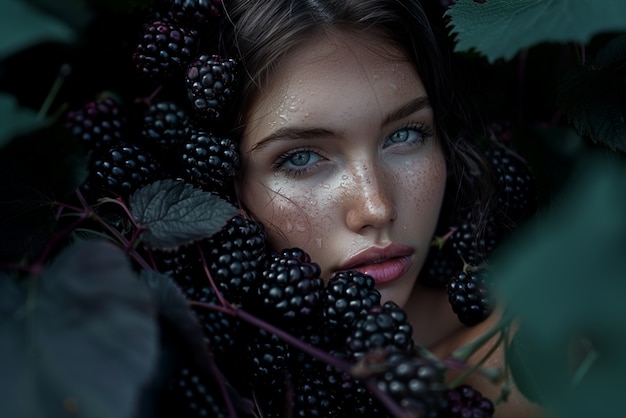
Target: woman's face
{"points": [[340, 159]]}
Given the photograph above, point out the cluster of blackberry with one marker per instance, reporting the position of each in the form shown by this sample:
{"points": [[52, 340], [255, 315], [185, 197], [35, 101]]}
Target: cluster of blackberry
{"points": [[316, 349], [466, 238]]}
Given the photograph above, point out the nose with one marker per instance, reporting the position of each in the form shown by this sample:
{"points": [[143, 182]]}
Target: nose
{"points": [[370, 203]]}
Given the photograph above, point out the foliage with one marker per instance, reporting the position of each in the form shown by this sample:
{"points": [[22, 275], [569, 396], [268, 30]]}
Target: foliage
{"points": [[553, 72]]}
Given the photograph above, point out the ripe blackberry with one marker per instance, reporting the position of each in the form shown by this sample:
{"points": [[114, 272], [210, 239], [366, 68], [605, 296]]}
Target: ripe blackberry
{"points": [[122, 169], [164, 49], [164, 128], [190, 395], [210, 162], [313, 397], [210, 82], [470, 296], [195, 11], [348, 295], [235, 258], [465, 401], [516, 187], [384, 327], [474, 239], [291, 286], [98, 124], [266, 356], [415, 383]]}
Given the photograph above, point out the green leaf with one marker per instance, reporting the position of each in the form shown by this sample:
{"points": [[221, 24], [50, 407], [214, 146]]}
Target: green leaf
{"points": [[23, 25], [83, 343], [502, 28], [16, 120], [595, 103], [563, 276], [613, 53], [175, 213]]}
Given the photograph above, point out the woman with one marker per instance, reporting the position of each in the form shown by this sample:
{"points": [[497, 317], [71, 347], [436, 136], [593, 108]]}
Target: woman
{"points": [[352, 136]]}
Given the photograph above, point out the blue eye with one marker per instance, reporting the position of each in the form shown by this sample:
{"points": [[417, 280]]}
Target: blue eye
{"points": [[404, 135], [296, 161]]}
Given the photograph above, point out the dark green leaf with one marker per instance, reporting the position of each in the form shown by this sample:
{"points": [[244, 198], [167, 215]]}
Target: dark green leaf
{"points": [[22, 25], [612, 54], [502, 28], [16, 120], [564, 278], [175, 213], [595, 103], [83, 343]]}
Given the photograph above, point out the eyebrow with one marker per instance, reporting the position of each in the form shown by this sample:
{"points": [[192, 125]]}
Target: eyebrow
{"points": [[407, 109], [288, 132]]}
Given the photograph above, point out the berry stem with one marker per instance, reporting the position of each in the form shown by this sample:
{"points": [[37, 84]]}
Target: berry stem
{"points": [[470, 348], [460, 379], [54, 91], [205, 267], [115, 233]]}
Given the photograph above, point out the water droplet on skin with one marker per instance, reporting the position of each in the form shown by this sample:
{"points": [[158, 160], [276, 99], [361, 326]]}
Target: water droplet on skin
{"points": [[283, 117], [393, 86], [300, 228], [344, 177], [293, 107], [318, 241], [325, 186], [289, 227], [410, 173], [313, 202]]}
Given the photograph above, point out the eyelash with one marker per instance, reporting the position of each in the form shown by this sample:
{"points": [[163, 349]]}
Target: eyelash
{"points": [[426, 132]]}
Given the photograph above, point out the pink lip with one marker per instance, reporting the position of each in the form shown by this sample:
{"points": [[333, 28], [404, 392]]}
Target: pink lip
{"points": [[383, 264]]}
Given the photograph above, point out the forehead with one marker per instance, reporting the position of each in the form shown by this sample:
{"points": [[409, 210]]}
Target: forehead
{"points": [[335, 69]]}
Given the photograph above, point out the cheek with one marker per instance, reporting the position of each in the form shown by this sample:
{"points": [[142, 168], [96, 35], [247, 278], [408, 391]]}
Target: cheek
{"points": [[293, 215]]}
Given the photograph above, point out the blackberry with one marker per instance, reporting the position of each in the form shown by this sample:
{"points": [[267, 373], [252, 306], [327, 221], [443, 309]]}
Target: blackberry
{"points": [[210, 82], [415, 383], [195, 11], [517, 197], [190, 395], [235, 257], [122, 169], [352, 398], [383, 327], [465, 401], [470, 296], [291, 286], [164, 128], [474, 239], [348, 295], [98, 124], [313, 398], [210, 162], [266, 359], [164, 49]]}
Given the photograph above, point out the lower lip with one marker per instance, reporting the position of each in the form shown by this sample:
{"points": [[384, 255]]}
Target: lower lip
{"points": [[388, 270]]}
